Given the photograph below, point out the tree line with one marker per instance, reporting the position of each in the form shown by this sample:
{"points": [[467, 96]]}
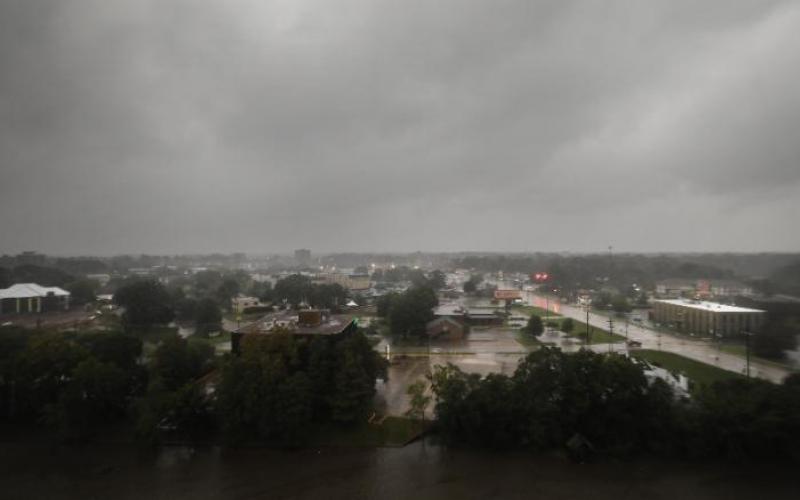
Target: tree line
{"points": [[77, 385], [588, 402], [408, 312]]}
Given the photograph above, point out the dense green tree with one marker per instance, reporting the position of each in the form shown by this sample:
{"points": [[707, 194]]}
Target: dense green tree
{"points": [[207, 317], [552, 397], [263, 395], [43, 371], [418, 400], [186, 309], [327, 296], [207, 282], [116, 348], [535, 326], [567, 325], [177, 361], [602, 300], [357, 369], [227, 290], [775, 338], [45, 276], [383, 304], [6, 278], [262, 290], [82, 291], [293, 289], [95, 393], [437, 280], [620, 304], [146, 303], [411, 311]]}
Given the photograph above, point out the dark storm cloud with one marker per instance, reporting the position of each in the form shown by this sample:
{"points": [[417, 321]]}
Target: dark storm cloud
{"points": [[168, 126]]}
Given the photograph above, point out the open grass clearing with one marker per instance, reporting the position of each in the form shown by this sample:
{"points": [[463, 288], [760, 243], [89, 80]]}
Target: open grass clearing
{"points": [[698, 372]]}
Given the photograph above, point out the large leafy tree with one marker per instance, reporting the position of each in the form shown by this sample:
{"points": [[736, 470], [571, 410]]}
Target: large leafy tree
{"points": [[96, 393], [777, 337], [534, 326], [293, 289], [358, 367], [410, 311], [146, 303], [263, 394], [178, 361], [82, 291], [207, 317]]}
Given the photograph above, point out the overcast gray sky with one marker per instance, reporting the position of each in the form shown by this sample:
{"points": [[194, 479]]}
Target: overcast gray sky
{"points": [[261, 126]]}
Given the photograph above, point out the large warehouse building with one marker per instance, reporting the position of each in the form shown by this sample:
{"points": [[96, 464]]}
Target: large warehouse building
{"points": [[25, 298], [707, 318]]}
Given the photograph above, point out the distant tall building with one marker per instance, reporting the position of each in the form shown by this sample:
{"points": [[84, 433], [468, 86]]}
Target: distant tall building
{"points": [[302, 257]]}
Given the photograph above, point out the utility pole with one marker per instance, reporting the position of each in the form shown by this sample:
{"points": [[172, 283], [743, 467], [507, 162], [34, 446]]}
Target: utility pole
{"points": [[747, 353], [610, 331], [588, 335]]}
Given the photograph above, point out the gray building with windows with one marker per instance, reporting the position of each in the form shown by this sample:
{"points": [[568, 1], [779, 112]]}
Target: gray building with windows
{"points": [[707, 318]]}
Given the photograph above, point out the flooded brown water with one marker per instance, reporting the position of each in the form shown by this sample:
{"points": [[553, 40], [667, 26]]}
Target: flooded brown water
{"points": [[418, 471]]}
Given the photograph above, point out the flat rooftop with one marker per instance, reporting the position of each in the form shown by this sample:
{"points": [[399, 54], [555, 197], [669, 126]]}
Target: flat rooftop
{"points": [[704, 305], [334, 325]]}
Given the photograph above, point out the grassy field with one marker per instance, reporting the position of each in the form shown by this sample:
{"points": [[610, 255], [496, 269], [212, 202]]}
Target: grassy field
{"points": [[526, 339], [700, 373], [392, 432], [741, 351], [222, 338], [596, 335]]}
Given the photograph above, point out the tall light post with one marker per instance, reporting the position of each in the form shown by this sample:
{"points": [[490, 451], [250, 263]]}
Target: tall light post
{"points": [[747, 352], [588, 334]]}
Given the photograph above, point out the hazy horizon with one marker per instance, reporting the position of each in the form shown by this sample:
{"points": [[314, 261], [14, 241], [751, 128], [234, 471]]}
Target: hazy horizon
{"points": [[169, 127]]}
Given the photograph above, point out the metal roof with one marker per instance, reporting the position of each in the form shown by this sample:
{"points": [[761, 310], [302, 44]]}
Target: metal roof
{"points": [[28, 290], [709, 306]]}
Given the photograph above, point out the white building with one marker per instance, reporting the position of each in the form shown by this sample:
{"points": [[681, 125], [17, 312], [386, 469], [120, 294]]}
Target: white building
{"points": [[24, 298]]}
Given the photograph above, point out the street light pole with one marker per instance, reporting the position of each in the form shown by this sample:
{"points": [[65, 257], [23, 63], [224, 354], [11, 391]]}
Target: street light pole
{"points": [[747, 352], [588, 335]]}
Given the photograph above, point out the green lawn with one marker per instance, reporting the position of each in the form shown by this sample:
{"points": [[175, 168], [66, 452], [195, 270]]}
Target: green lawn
{"points": [[597, 335], [741, 350], [394, 431], [526, 339], [222, 338], [698, 372]]}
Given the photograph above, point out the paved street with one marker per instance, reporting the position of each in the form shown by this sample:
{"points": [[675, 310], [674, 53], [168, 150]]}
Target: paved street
{"points": [[699, 350]]}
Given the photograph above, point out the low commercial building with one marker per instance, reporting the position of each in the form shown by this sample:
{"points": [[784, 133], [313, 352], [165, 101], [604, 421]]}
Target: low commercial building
{"points": [[446, 328], [707, 318], [474, 316], [478, 316], [27, 298], [240, 304], [702, 288], [308, 323], [675, 288], [351, 281]]}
